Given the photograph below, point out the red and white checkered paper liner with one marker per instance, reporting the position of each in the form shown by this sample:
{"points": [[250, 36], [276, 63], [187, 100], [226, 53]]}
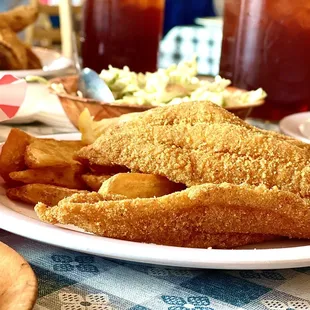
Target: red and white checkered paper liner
{"points": [[12, 95]]}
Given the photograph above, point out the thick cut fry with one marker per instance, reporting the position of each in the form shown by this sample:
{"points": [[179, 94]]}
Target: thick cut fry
{"points": [[207, 208], [91, 129], [138, 185], [19, 18], [94, 181], [34, 193], [51, 153], [12, 154], [69, 177]]}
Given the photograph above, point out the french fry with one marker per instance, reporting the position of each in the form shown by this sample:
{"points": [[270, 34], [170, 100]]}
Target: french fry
{"points": [[12, 154], [138, 185], [94, 181], [34, 193], [91, 129], [69, 177], [51, 153]]}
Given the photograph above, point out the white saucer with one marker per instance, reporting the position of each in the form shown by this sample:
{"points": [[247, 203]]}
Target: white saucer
{"points": [[289, 125]]}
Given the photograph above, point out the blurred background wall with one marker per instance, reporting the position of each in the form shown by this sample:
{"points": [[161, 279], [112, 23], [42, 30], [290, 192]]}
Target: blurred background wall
{"points": [[184, 12]]}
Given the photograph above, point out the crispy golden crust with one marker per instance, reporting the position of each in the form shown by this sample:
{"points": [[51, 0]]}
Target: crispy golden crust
{"points": [[178, 217], [186, 237], [196, 143]]}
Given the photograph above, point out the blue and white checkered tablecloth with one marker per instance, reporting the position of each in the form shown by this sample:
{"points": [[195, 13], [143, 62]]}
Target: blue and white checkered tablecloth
{"points": [[183, 42], [70, 280]]}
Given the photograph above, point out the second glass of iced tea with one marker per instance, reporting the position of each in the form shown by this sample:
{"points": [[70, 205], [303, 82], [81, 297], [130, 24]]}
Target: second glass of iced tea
{"points": [[122, 33], [266, 43]]}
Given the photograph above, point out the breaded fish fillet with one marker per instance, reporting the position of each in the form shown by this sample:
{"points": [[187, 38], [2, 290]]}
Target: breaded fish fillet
{"points": [[199, 142], [182, 217], [187, 237]]}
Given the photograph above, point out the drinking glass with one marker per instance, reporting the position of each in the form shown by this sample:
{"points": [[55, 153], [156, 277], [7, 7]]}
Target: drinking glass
{"points": [[121, 33], [266, 43]]}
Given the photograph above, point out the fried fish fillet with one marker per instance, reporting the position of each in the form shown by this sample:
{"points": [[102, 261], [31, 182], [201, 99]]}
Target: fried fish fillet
{"points": [[198, 142], [178, 218], [210, 114], [188, 237]]}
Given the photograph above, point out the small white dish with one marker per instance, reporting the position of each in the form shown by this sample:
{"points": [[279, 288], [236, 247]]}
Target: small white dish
{"points": [[290, 125], [53, 64]]}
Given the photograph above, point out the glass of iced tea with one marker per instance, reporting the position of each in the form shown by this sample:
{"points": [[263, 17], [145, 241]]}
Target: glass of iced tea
{"points": [[122, 33], [266, 43]]}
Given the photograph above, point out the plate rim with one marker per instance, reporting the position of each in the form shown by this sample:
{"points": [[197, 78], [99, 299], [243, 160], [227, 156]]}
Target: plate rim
{"points": [[238, 259]]}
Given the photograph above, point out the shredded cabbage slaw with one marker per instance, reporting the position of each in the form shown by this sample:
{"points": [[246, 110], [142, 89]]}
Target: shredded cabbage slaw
{"points": [[176, 84]]}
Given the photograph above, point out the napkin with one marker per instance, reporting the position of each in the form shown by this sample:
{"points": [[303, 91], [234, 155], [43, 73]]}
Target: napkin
{"points": [[12, 94], [39, 105]]}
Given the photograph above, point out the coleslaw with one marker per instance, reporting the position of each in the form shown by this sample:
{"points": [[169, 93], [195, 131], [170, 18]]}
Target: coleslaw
{"points": [[176, 84]]}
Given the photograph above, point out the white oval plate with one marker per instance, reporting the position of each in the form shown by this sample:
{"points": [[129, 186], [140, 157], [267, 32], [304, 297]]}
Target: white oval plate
{"points": [[53, 64], [21, 219], [289, 125]]}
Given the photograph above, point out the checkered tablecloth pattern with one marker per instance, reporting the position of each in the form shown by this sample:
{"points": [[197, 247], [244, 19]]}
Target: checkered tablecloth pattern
{"points": [[183, 42], [70, 280]]}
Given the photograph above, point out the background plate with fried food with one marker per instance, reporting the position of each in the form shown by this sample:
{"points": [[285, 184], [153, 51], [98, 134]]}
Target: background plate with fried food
{"points": [[53, 64], [13, 55], [19, 18]]}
